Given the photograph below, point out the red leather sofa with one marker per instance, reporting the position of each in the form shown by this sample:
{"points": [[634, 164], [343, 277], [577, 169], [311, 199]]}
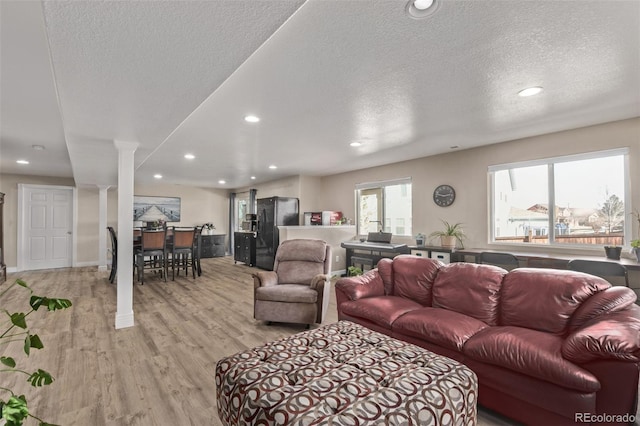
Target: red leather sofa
{"points": [[548, 346]]}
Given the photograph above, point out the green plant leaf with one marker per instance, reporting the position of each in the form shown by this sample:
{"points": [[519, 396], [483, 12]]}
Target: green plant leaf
{"points": [[21, 283], [52, 304], [8, 361], [35, 341], [39, 378], [18, 319], [27, 345], [15, 410]]}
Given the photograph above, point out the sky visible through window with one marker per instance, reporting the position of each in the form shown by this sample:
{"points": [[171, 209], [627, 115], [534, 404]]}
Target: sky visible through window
{"points": [[579, 184]]}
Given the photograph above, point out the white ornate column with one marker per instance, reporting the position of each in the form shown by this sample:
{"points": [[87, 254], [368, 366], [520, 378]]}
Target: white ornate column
{"points": [[102, 228], [124, 307]]}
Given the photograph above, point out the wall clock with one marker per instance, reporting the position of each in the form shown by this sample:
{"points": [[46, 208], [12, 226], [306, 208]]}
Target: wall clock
{"points": [[444, 195]]}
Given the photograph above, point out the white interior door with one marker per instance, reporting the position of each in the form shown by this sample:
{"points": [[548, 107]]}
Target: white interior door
{"points": [[47, 224]]}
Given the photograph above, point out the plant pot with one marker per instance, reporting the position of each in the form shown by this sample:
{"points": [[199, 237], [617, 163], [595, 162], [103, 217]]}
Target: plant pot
{"points": [[637, 253], [613, 252], [448, 241]]}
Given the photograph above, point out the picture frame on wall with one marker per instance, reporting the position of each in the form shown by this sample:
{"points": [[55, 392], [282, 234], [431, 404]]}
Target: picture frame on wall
{"points": [[152, 208]]}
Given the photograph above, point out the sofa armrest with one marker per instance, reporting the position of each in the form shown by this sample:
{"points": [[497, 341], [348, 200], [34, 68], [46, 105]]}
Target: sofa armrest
{"points": [[369, 284], [610, 336], [264, 279]]}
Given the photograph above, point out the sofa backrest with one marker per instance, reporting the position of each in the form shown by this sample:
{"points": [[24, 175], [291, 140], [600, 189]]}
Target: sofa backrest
{"points": [[545, 299], [413, 277], [298, 261], [469, 289]]}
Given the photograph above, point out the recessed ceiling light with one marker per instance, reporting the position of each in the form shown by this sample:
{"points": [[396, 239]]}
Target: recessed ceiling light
{"points": [[273, 167], [253, 178], [251, 119], [423, 4], [37, 147], [22, 162], [530, 91], [189, 156], [222, 181], [419, 9], [157, 176], [355, 144]]}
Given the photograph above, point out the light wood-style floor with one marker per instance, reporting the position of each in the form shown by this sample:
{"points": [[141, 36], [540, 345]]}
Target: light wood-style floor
{"points": [[159, 372]]}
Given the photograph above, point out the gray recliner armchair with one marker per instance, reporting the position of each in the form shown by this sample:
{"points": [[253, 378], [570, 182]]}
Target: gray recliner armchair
{"points": [[298, 288]]}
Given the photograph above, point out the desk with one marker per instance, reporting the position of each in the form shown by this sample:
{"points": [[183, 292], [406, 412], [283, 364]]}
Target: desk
{"points": [[560, 259], [373, 251]]}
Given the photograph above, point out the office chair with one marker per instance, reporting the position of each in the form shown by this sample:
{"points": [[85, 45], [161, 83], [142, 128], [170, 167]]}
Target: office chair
{"points": [[600, 268], [503, 260]]}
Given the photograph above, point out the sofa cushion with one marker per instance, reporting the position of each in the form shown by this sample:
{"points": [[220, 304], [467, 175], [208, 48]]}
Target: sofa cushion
{"points": [[545, 299], [383, 310], [445, 328], [469, 289], [413, 277], [610, 300], [290, 293], [534, 353]]}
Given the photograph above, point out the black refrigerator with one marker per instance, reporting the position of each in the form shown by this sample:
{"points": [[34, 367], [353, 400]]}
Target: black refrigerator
{"points": [[273, 212]]}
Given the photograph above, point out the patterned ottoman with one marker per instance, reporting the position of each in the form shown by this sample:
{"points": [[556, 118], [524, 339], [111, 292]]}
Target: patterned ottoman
{"points": [[344, 374]]}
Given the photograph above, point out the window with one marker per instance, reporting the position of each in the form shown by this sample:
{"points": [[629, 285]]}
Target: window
{"points": [[587, 194], [384, 206], [242, 208]]}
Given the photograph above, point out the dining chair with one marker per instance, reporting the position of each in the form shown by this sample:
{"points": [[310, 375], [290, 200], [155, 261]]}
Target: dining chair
{"points": [[114, 254], [152, 254], [546, 262], [610, 271], [503, 260], [182, 251], [197, 248]]}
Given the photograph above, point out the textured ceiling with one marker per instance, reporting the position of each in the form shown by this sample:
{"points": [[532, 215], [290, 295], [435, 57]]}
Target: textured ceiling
{"points": [[178, 77]]}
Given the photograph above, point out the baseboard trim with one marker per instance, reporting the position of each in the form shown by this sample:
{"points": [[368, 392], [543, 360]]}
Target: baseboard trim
{"points": [[339, 273], [124, 320]]}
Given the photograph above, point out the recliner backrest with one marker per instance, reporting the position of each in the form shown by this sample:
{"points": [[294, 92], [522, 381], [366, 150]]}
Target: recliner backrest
{"points": [[298, 261]]}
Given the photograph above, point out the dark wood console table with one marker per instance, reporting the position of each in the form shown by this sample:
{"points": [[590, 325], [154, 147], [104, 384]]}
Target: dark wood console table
{"points": [[212, 246]]}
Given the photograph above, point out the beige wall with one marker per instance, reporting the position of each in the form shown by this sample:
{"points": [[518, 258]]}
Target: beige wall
{"points": [[466, 170], [198, 205], [9, 186]]}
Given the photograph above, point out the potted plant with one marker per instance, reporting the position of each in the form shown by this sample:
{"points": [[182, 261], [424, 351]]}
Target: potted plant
{"points": [[208, 229], [635, 244], [635, 249], [613, 252], [353, 271], [13, 408], [451, 234]]}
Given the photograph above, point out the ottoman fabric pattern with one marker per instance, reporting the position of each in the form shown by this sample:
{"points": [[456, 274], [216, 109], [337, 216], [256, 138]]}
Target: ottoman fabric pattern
{"points": [[344, 374]]}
